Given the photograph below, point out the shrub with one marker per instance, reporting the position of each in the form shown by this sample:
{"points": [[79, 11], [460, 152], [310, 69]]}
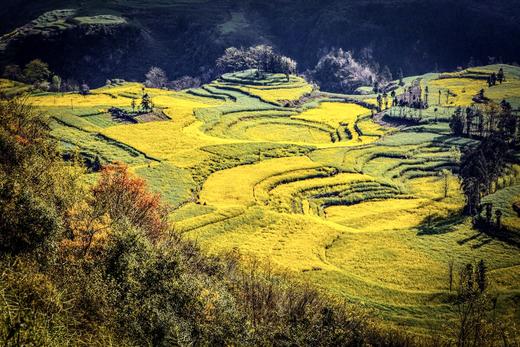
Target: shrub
{"points": [[35, 184]]}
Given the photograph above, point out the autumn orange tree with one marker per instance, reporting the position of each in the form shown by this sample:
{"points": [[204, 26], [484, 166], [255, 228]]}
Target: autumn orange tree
{"points": [[124, 196], [118, 197]]}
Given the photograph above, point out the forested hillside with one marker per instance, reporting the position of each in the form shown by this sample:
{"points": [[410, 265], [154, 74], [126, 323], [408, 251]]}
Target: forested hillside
{"points": [[185, 37]]}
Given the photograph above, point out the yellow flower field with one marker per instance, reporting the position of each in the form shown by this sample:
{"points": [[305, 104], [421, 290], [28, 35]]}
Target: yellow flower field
{"points": [[365, 217], [275, 95], [463, 88], [236, 186]]}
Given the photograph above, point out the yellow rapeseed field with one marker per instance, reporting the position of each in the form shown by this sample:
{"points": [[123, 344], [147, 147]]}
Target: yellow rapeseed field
{"points": [[337, 114], [176, 140], [236, 186], [275, 95], [464, 89], [365, 218]]}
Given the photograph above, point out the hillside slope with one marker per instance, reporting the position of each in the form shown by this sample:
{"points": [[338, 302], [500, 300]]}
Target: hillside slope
{"points": [[316, 186]]}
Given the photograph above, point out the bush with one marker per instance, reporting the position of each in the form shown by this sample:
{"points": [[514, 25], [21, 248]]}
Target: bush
{"points": [[27, 220], [35, 185], [124, 196]]}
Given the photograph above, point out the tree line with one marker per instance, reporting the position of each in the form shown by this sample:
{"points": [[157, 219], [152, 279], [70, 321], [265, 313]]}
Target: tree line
{"points": [[38, 74], [337, 70], [498, 130], [263, 58], [485, 120]]}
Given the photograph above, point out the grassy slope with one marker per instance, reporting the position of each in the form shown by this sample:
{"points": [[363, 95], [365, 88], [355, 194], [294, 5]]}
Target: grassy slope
{"points": [[365, 219]]}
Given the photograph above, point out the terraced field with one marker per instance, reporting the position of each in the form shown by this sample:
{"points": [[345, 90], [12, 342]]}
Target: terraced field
{"points": [[316, 187]]}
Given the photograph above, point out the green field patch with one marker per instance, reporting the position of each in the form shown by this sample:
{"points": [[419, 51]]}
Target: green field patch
{"points": [[93, 145], [175, 185]]}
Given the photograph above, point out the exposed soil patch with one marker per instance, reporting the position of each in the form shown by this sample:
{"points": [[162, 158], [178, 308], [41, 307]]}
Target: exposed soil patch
{"points": [[151, 117]]}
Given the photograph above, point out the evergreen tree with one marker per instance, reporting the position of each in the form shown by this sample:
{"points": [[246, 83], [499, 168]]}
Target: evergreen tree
{"points": [[480, 124], [146, 103], [379, 103], [500, 76], [457, 122], [401, 76], [376, 86], [481, 276], [489, 213], [96, 165], [498, 215], [470, 115]]}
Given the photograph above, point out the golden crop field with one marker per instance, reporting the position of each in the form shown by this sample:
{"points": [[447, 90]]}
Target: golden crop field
{"points": [[463, 88], [290, 93], [320, 190], [346, 114]]}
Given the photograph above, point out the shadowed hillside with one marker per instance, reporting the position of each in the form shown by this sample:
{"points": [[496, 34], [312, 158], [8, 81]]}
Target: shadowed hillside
{"points": [[185, 36]]}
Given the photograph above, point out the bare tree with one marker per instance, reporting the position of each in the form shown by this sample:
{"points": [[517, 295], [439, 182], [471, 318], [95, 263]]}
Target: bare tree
{"points": [[234, 59], [156, 78], [450, 273], [446, 174], [185, 82], [339, 71]]}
